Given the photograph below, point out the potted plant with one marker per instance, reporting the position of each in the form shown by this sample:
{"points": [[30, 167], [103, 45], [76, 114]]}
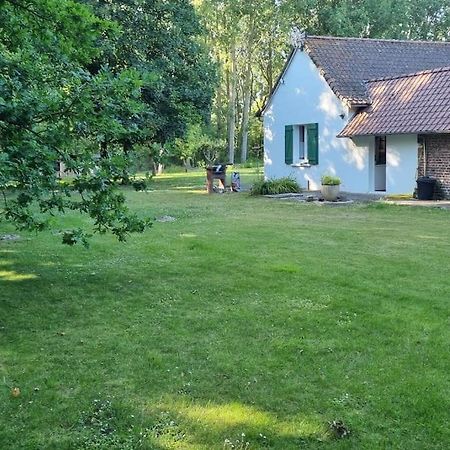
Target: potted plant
{"points": [[330, 187]]}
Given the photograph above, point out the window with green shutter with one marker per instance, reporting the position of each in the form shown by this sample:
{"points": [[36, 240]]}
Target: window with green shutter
{"points": [[289, 144], [301, 145], [312, 134]]}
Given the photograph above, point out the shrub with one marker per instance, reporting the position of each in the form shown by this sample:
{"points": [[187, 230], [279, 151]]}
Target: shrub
{"points": [[139, 185], [329, 180], [271, 187]]}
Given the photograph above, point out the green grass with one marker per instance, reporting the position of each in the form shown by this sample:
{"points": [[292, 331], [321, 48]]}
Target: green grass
{"points": [[245, 315]]}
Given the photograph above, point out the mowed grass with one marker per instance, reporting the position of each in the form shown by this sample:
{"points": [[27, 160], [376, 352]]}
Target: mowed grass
{"points": [[247, 322]]}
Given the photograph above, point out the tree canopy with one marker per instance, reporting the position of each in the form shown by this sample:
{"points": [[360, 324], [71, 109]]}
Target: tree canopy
{"points": [[80, 84]]}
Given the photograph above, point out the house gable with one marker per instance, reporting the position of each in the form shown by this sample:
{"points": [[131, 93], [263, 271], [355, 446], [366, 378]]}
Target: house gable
{"points": [[303, 93], [302, 98]]}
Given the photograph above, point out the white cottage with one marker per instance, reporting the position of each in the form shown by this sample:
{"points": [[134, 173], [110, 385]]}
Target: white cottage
{"points": [[345, 107]]}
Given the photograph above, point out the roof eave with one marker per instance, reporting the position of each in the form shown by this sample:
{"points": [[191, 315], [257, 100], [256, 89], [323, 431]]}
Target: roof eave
{"points": [[391, 133]]}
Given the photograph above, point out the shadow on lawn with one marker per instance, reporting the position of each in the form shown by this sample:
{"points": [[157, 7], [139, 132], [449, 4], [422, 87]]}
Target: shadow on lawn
{"points": [[105, 347], [117, 329]]}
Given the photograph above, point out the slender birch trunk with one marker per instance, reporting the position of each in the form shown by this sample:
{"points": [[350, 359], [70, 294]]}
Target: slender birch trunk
{"points": [[231, 121], [246, 113], [270, 67], [219, 102], [248, 85]]}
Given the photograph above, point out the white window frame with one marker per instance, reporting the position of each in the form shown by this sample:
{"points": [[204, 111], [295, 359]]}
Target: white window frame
{"points": [[297, 159]]}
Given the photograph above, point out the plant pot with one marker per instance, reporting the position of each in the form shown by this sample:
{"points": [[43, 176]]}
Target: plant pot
{"points": [[330, 192]]}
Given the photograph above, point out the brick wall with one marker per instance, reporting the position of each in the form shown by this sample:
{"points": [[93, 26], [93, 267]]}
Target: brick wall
{"points": [[438, 162]]}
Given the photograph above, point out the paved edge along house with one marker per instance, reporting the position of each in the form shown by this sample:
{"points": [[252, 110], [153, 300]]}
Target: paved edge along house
{"points": [[374, 112]]}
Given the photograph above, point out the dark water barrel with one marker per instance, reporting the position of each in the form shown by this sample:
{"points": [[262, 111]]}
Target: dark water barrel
{"points": [[425, 188]]}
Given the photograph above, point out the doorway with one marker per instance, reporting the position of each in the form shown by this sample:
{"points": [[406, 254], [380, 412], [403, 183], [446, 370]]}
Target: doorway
{"points": [[380, 163]]}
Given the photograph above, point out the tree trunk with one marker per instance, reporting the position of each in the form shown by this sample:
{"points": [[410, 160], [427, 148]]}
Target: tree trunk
{"points": [[246, 113], [103, 149], [127, 147], [187, 163], [231, 122], [153, 166], [270, 67], [219, 125], [219, 103], [247, 94], [160, 168]]}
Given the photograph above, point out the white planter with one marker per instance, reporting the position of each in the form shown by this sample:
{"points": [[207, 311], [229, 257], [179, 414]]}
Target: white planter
{"points": [[330, 193]]}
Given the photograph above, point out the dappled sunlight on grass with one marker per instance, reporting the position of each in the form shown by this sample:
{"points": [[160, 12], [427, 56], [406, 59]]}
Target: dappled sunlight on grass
{"points": [[237, 414], [224, 416], [197, 424], [191, 176], [189, 188], [176, 175], [7, 250], [11, 275], [185, 190], [51, 264]]}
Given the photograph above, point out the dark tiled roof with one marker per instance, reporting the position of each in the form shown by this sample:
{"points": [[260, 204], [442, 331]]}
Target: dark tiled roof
{"points": [[415, 103], [347, 62]]}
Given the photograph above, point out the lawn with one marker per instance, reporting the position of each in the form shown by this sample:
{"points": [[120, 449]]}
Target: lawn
{"points": [[247, 323]]}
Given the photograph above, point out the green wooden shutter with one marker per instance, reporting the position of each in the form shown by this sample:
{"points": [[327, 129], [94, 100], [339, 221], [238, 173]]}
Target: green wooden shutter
{"points": [[289, 144], [312, 131]]}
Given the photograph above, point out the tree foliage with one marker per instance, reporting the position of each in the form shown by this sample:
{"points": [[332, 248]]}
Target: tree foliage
{"points": [[162, 38], [390, 19], [81, 84]]}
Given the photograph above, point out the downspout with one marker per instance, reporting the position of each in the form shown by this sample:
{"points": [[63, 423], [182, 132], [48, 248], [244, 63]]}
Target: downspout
{"points": [[424, 157]]}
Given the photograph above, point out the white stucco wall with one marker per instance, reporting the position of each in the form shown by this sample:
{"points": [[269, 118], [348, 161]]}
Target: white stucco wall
{"points": [[401, 163], [304, 97]]}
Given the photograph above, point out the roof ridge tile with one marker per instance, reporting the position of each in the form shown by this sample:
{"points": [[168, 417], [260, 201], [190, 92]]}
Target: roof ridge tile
{"points": [[346, 38]]}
